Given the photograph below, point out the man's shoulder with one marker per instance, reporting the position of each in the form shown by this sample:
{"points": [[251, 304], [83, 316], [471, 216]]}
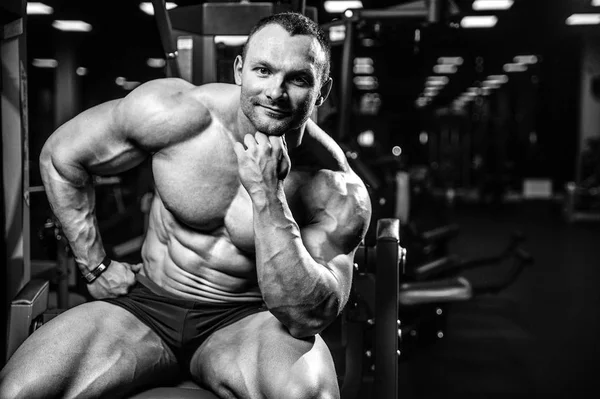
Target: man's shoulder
{"points": [[331, 187], [339, 203], [174, 91], [162, 112], [319, 151], [218, 97]]}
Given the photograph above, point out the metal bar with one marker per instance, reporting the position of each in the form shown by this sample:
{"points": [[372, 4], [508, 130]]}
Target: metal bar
{"points": [[392, 14], [435, 11], [165, 31], [346, 83], [386, 308]]}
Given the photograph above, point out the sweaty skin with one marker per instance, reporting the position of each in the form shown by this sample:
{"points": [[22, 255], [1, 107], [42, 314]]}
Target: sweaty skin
{"points": [[214, 233]]}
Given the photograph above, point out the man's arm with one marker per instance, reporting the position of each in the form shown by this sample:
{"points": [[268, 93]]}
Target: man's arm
{"points": [[305, 274], [105, 140]]}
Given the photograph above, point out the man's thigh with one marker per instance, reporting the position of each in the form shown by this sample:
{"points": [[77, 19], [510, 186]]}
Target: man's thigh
{"points": [[256, 357], [93, 350]]}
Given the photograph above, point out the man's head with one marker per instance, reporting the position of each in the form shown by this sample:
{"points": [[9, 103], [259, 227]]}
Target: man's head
{"points": [[296, 24], [283, 72]]}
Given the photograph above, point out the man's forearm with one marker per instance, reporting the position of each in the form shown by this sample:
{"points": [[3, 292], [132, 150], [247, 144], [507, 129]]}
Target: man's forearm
{"points": [[73, 203], [299, 291]]}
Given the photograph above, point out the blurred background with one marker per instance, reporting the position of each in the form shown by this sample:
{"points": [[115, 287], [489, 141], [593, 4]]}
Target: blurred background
{"points": [[474, 127]]}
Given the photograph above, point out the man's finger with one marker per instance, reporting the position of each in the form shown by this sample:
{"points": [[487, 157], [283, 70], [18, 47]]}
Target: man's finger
{"points": [[239, 149], [249, 141], [262, 139], [277, 145]]}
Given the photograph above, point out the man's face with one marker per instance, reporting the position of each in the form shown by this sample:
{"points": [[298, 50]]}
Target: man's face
{"points": [[280, 79]]}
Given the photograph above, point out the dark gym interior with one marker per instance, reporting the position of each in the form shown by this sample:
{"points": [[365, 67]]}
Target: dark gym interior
{"points": [[491, 166]]}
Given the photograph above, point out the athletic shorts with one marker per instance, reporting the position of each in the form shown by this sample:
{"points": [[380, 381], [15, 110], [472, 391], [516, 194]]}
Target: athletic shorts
{"points": [[183, 324]]}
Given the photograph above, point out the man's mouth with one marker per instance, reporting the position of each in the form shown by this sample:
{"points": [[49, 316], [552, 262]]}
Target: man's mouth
{"points": [[276, 111]]}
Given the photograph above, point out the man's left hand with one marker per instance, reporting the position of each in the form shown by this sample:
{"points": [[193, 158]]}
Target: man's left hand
{"points": [[263, 163]]}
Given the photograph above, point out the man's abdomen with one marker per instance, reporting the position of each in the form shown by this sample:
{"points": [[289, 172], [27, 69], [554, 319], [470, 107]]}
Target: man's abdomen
{"points": [[204, 266]]}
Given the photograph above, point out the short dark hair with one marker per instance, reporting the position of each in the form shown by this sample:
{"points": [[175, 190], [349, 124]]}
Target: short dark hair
{"points": [[296, 24]]}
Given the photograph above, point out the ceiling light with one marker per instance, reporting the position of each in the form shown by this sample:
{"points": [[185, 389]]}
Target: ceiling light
{"points": [[422, 101], [120, 81], [583, 19], [363, 69], [337, 33], [147, 8], [437, 80], [72, 26], [492, 84], [444, 68], [363, 61], [525, 59], [44, 63], [450, 60], [336, 7], [479, 21], [497, 78], [81, 71], [35, 8], [513, 67], [156, 62], [231, 40], [479, 5], [434, 83], [366, 82]]}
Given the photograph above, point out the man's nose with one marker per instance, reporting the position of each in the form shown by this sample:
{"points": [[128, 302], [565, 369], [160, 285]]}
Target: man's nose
{"points": [[276, 90]]}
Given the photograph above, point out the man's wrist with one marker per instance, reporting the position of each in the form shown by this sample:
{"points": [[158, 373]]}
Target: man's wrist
{"points": [[264, 198], [92, 275]]}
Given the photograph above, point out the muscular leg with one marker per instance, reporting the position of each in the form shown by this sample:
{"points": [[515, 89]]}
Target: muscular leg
{"points": [[257, 358], [93, 350]]}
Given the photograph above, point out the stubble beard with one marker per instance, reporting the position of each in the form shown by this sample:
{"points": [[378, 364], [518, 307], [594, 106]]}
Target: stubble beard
{"points": [[270, 127]]}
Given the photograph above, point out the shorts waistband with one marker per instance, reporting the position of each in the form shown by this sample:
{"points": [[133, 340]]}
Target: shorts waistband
{"points": [[155, 288], [158, 290]]}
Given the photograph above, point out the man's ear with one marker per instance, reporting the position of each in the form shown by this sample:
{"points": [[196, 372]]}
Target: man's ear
{"points": [[237, 70], [325, 89]]}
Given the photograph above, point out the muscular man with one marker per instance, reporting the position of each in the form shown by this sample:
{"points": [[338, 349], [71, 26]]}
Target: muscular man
{"points": [[249, 249]]}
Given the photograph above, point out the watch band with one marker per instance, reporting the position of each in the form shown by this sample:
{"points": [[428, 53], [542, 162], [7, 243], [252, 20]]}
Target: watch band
{"points": [[94, 274]]}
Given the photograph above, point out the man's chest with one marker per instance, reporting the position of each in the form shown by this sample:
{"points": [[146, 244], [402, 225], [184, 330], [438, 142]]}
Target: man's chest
{"points": [[198, 182]]}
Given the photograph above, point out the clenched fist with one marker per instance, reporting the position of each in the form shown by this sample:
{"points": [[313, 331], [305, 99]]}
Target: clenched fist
{"points": [[263, 162], [115, 281]]}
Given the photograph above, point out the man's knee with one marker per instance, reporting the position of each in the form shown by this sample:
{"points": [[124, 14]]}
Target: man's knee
{"points": [[311, 385]]}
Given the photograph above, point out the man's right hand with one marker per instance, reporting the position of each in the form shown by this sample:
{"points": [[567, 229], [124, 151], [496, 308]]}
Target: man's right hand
{"points": [[115, 281]]}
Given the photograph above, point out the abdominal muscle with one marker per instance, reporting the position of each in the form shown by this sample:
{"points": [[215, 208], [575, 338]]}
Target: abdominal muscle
{"points": [[201, 266]]}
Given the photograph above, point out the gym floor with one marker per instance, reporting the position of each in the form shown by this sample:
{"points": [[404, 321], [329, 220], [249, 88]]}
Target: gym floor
{"points": [[538, 337]]}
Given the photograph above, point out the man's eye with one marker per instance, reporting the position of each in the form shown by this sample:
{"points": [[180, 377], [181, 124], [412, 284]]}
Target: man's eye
{"points": [[262, 71], [300, 81]]}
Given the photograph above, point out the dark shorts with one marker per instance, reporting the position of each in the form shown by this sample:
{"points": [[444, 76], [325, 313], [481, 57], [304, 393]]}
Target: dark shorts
{"points": [[183, 324]]}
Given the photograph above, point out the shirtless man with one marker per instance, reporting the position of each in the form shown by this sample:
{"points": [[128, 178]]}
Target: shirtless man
{"points": [[249, 250]]}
